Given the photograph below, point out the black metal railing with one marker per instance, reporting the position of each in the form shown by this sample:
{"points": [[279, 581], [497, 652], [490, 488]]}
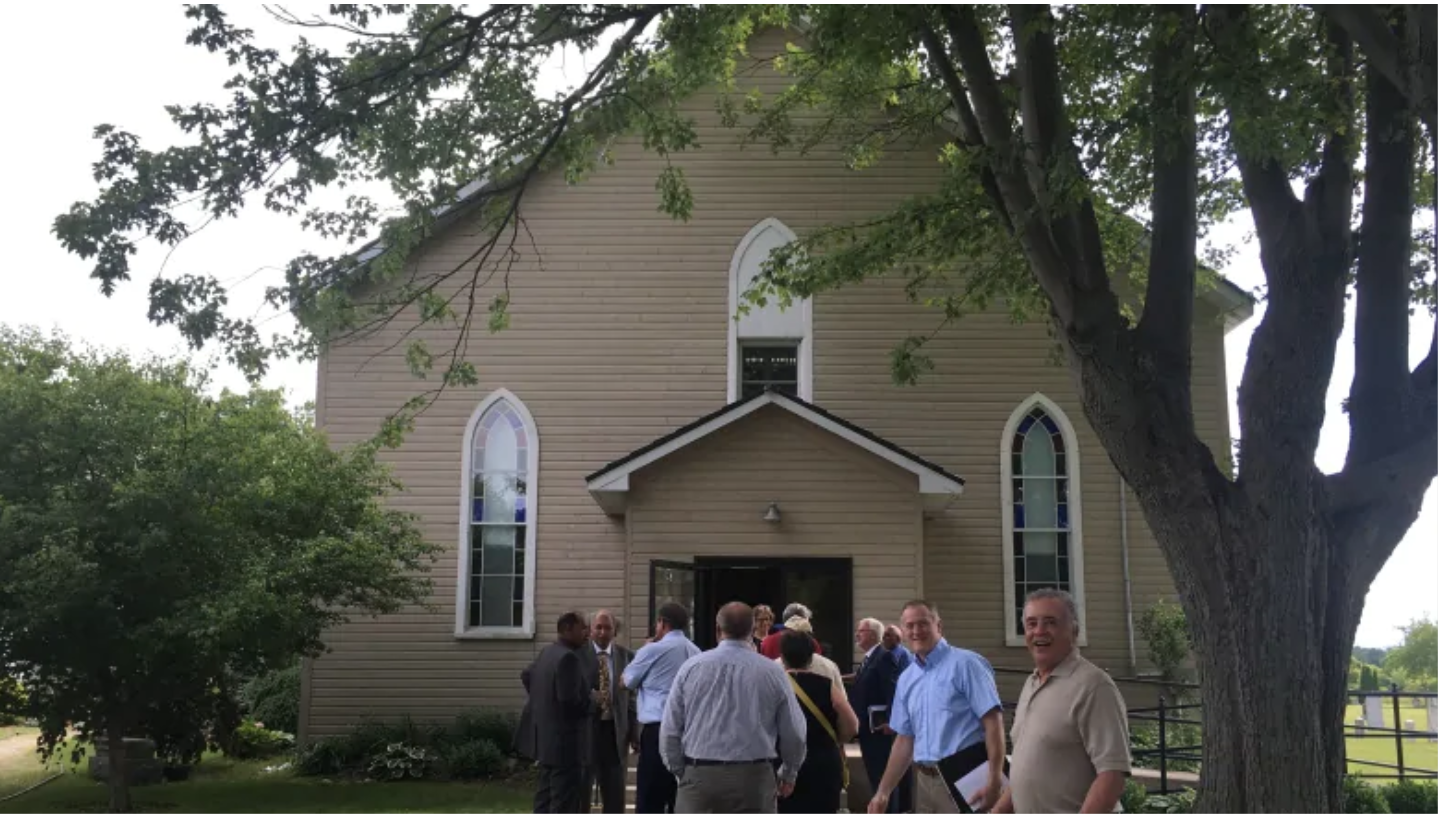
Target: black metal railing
{"points": [[1395, 732]]}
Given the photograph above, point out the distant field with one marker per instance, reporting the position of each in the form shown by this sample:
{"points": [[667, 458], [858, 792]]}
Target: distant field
{"points": [[1420, 753]]}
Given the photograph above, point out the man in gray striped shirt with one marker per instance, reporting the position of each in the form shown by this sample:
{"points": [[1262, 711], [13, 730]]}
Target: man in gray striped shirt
{"points": [[727, 710]]}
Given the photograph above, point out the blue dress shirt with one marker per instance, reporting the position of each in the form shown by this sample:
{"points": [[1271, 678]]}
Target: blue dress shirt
{"points": [[653, 670], [940, 700]]}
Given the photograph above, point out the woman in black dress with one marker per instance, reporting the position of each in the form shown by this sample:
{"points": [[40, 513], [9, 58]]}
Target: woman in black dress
{"points": [[821, 778]]}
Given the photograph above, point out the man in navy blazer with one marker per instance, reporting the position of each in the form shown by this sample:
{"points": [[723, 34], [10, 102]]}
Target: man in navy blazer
{"points": [[871, 695]]}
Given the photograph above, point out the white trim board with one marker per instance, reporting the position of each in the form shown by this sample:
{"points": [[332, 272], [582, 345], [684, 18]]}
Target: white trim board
{"points": [[611, 488]]}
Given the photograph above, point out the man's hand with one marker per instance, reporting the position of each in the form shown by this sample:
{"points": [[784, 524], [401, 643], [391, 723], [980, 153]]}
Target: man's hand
{"points": [[784, 789], [986, 800], [597, 696], [879, 803]]}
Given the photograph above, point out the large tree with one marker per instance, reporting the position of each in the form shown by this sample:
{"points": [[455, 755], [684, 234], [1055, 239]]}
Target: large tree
{"points": [[157, 545], [1087, 152]]}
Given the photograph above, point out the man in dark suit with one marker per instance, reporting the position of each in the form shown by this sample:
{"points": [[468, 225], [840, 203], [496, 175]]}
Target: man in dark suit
{"points": [[871, 695], [555, 725], [613, 726]]}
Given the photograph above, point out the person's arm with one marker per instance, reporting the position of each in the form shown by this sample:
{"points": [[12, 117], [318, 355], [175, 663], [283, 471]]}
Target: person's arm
{"points": [[1006, 805], [1104, 793], [847, 725], [1100, 717], [638, 668], [790, 725], [979, 687], [672, 726], [525, 676], [570, 687], [901, 753]]}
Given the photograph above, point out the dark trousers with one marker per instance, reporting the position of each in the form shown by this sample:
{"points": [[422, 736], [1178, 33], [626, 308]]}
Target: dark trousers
{"points": [[561, 789], [654, 784], [607, 770], [875, 753]]}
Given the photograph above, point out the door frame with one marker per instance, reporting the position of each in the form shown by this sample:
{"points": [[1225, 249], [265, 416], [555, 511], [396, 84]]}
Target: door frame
{"points": [[834, 565]]}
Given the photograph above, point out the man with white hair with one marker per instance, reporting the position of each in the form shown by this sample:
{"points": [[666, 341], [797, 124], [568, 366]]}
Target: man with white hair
{"points": [[871, 695], [770, 645], [1072, 746]]}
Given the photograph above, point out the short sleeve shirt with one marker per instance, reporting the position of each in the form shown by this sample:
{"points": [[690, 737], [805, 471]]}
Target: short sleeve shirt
{"points": [[941, 702], [1067, 730]]}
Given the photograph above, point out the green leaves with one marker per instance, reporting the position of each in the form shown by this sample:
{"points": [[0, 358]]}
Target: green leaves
{"points": [[156, 542]]}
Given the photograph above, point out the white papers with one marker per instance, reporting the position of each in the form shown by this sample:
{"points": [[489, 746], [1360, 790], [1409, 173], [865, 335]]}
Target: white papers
{"points": [[973, 783]]}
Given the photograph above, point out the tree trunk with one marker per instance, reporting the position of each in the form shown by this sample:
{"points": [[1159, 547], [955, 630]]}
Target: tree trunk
{"points": [[119, 780], [1274, 602]]}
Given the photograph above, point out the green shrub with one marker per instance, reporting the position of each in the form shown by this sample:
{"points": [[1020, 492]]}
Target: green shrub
{"points": [[402, 761], [252, 740], [1411, 797], [352, 752], [1167, 636], [1181, 802], [1132, 799], [496, 726], [323, 757], [473, 760], [274, 699], [1359, 797]]}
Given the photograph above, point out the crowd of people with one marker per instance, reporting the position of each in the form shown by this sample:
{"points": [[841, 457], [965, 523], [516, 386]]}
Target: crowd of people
{"points": [[760, 722]]}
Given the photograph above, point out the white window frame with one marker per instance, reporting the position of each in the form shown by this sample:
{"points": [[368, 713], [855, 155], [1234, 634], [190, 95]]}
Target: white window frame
{"points": [[532, 499], [1007, 513], [805, 345]]}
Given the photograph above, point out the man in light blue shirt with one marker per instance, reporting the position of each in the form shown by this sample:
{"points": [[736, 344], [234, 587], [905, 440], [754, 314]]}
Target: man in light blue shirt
{"points": [[946, 711], [651, 675]]}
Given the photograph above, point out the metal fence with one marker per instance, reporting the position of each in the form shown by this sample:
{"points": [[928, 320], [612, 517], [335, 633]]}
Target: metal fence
{"points": [[1395, 732], [1173, 761]]}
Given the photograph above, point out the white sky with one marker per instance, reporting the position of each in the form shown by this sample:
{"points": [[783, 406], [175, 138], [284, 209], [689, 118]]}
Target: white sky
{"points": [[121, 65]]}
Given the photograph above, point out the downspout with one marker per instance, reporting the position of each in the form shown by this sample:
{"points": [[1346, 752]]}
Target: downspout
{"points": [[1125, 567]]}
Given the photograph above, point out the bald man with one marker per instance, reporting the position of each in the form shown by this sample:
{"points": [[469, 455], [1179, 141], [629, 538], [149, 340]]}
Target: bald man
{"points": [[728, 709], [613, 724]]}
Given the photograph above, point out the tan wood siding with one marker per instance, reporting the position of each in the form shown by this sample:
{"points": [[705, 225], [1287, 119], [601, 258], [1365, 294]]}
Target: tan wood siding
{"points": [[835, 499], [618, 335]]}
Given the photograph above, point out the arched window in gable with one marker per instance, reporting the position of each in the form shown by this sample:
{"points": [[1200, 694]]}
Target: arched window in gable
{"points": [[496, 588], [1040, 487]]}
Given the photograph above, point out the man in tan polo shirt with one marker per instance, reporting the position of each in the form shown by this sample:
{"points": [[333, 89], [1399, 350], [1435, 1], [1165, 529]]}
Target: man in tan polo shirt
{"points": [[1072, 746]]}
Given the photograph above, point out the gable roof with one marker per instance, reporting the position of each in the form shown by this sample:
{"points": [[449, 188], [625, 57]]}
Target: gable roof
{"points": [[610, 484]]}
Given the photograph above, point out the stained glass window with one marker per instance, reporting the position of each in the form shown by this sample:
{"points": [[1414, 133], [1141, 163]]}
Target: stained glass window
{"points": [[499, 534], [1040, 503]]}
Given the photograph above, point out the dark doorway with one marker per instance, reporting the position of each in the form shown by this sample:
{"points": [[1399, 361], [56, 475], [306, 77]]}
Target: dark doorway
{"points": [[822, 584]]}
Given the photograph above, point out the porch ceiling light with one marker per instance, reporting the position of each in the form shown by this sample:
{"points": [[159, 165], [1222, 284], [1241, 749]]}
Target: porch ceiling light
{"points": [[772, 513]]}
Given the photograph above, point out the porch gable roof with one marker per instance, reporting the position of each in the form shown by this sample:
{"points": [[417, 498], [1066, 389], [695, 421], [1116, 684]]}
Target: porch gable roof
{"points": [[610, 484]]}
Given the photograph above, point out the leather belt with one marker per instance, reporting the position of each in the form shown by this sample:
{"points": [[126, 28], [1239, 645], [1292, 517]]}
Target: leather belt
{"points": [[928, 771], [690, 761]]}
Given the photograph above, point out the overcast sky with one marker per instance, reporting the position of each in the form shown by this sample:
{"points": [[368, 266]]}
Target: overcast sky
{"points": [[121, 65]]}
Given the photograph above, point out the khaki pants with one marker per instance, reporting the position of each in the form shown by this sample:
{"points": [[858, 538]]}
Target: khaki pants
{"points": [[744, 788], [931, 793]]}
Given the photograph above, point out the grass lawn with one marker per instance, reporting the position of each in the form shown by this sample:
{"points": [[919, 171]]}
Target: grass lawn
{"points": [[219, 784], [1419, 752]]}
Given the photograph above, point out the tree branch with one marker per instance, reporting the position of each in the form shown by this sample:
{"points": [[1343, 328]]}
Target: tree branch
{"points": [[1407, 60], [1380, 392], [970, 135], [1411, 467], [993, 118], [1169, 310], [1266, 184], [1053, 163]]}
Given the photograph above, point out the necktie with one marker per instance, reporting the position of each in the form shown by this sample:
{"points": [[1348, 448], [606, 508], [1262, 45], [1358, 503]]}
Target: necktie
{"points": [[604, 656]]}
